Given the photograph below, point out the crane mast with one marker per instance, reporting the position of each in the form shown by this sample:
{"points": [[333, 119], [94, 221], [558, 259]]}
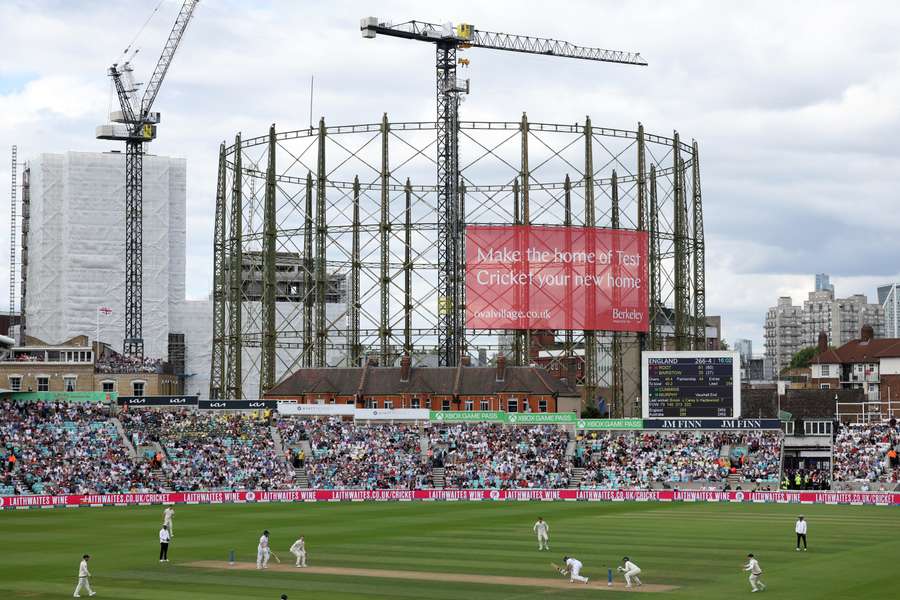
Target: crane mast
{"points": [[451, 220], [139, 128]]}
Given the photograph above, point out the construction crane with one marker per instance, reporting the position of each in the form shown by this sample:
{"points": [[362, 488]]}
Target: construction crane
{"points": [[139, 128], [448, 39]]}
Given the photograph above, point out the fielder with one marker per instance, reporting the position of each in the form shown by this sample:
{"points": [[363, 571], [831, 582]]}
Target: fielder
{"points": [[542, 529], [573, 568], [298, 549], [84, 578], [800, 530], [631, 572], [755, 571], [167, 519], [262, 551]]}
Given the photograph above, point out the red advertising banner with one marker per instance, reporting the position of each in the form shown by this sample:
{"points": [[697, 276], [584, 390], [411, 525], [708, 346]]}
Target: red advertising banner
{"points": [[313, 495], [550, 277]]}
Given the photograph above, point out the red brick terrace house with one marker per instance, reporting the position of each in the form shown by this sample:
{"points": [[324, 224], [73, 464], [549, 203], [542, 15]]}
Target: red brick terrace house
{"points": [[868, 364], [506, 388]]}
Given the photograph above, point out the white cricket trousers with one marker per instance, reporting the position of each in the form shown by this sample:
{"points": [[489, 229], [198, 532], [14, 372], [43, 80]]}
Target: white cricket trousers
{"points": [[574, 576], [543, 541], [83, 583], [168, 523], [301, 557], [262, 558], [632, 574], [756, 583]]}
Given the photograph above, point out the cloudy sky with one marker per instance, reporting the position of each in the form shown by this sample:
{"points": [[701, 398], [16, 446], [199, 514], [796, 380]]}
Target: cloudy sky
{"points": [[796, 108]]}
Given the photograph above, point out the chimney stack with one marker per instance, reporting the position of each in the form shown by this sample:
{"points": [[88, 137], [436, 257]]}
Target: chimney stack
{"points": [[501, 368], [405, 367], [823, 342], [867, 334]]}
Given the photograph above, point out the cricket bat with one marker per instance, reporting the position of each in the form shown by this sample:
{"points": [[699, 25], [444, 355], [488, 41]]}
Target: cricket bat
{"points": [[558, 568], [278, 560]]}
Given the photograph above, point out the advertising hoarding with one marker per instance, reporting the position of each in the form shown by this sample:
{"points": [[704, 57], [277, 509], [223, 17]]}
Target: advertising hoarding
{"points": [[553, 277]]}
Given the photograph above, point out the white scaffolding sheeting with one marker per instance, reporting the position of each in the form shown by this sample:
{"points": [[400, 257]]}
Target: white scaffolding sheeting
{"points": [[76, 261]]}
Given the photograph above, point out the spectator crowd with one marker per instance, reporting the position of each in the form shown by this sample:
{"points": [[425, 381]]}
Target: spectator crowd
{"points": [[867, 453], [76, 448], [488, 455], [68, 448], [646, 459], [378, 456]]}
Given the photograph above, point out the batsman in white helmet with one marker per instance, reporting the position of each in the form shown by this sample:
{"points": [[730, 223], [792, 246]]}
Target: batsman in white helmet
{"points": [[573, 568], [631, 571], [262, 551], [542, 529]]}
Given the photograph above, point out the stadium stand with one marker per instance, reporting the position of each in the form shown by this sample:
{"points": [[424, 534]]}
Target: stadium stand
{"points": [[867, 454], [209, 451], [63, 448], [487, 455], [347, 455], [613, 460]]}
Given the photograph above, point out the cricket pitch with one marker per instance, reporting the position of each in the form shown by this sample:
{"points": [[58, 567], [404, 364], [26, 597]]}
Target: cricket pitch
{"points": [[560, 584]]}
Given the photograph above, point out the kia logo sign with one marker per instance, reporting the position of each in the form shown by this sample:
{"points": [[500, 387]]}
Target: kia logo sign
{"points": [[256, 404]]}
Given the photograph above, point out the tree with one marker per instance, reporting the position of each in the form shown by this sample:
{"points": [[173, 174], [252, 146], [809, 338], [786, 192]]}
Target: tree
{"points": [[802, 358]]}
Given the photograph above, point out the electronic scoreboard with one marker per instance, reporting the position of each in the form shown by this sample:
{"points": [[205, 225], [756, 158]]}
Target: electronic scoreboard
{"points": [[691, 385]]}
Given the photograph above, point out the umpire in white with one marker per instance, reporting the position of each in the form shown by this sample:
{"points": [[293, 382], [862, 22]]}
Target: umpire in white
{"points": [[800, 529]]}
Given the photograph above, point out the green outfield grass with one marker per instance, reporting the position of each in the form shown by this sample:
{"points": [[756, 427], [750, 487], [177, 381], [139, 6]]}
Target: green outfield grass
{"points": [[698, 547]]}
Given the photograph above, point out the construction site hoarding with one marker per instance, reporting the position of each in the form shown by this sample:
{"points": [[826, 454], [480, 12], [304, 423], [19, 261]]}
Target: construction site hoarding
{"points": [[554, 277]]}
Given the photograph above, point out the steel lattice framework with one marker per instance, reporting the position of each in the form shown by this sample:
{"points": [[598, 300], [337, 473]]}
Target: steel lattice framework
{"points": [[327, 249]]}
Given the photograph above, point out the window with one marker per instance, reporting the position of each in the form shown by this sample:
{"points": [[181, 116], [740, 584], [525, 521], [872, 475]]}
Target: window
{"points": [[415, 403], [512, 405], [43, 384], [445, 405], [370, 403], [15, 383], [470, 405], [389, 404], [138, 388], [108, 386], [69, 383], [542, 406], [428, 403], [824, 386], [485, 405], [826, 370]]}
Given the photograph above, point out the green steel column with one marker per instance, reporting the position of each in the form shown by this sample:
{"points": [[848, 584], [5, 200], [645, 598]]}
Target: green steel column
{"points": [[217, 380], [309, 294], [267, 354], [407, 271], [356, 265], [235, 300], [641, 179], [654, 263], [590, 220], [321, 232], [699, 256], [384, 230], [681, 260], [569, 343], [525, 175], [517, 333], [618, 385]]}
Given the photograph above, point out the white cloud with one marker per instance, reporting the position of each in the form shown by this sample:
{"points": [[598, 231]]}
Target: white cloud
{"points": [[796, 107]]}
